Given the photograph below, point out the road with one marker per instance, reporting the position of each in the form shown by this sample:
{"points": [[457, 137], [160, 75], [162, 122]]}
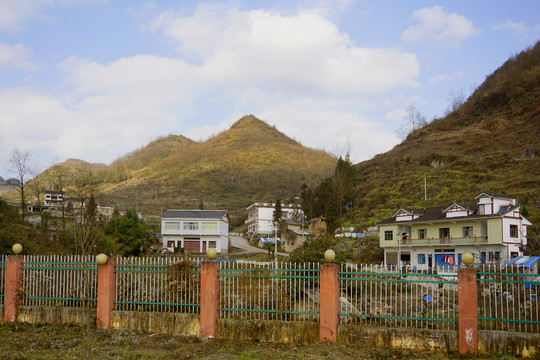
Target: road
{"points": [[241, 242]]}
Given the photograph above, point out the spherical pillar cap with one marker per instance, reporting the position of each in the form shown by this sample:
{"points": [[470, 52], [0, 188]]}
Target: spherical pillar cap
{"points": [[467, 258], [102, 259], [329, 255], [211, 253], [17, 248]]}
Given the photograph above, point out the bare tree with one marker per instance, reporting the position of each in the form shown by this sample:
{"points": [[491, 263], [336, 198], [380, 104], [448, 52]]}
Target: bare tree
{"points": [[455, 100], [37, 185], [19, 164], [414, 121], [59, 178]]}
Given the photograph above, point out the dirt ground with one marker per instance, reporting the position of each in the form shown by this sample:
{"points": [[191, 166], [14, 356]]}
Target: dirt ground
{"points": [[25, 341]]}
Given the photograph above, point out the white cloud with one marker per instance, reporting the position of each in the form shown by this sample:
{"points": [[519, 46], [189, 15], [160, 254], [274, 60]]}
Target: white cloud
{"points": [[14, 13], [435, 25], [15, 56], [520, 29], [299, 72], [445, 77], [396, 115], [303, 53]]}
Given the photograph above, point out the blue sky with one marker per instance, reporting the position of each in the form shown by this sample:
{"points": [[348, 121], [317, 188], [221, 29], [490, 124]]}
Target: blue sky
{"points": [[95, 79]]}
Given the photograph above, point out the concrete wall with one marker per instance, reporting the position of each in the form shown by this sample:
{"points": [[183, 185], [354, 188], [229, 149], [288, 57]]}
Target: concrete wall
{"points": [[156, 322], [55, 315], [493, 342], [269, 331], [417, 339]]}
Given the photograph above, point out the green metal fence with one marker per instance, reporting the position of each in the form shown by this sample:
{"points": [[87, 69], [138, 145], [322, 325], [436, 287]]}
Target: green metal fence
{"points": [[59, 280], [376, 295], [508, 299], [269, 291], [164, 284]]}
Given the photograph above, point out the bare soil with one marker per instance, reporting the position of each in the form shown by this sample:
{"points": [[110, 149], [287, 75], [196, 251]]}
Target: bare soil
{"points": [[25, 341]]}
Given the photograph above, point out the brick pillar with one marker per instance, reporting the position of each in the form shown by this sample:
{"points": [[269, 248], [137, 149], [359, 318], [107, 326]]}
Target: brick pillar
{"points": [[106, 293], [209, 298], [13, 286], [468, 311], [329, 302]]}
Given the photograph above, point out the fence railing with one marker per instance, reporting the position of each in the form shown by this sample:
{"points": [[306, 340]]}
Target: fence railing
{"points": [[269, 291], [59, 280], [372, 294], [164, 284], [508, 298], [2, 277]]}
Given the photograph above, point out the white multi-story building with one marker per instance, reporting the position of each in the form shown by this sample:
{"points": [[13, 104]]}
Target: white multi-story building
{"points": [[195, 230], [260, 217], [492, 229]]}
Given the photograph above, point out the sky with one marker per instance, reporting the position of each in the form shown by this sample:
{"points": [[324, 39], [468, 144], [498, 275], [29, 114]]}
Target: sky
{"points": [[96, 79]]}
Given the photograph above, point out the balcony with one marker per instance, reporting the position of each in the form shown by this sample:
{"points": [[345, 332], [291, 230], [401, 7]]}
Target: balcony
{"points": [[444, 241]]}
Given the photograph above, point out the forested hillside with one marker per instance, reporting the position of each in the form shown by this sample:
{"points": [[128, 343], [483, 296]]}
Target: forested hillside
{"points": [[490, 143]]}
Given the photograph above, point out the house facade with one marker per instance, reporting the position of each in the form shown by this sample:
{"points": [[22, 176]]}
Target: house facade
{"points": [[260, 217], [492, 229], [195, 230]]}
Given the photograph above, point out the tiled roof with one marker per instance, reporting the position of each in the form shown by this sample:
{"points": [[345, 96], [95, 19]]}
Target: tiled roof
{"points": [[194, 214]]}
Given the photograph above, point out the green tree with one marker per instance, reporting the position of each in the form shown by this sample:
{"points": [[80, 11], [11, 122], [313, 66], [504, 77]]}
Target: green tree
{"points": [[131, 234]]}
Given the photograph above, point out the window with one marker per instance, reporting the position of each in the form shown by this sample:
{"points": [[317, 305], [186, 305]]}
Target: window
{"points": [[481, 209], [494, 256], [422, 233], [514, 254], [467, 231], [172, 226], [211, 244], [171, 244], [421, 259], [388, 235], [191, 226], [514, 231], [209, 226], [444, 233]]}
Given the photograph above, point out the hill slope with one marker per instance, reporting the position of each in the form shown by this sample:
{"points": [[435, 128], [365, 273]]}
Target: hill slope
{"points": [[491, 143], [251, 161]]}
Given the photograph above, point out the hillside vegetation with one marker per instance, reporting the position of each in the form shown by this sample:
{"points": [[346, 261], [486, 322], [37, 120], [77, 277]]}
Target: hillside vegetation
{"points": [[491, 143], [252, 161]]}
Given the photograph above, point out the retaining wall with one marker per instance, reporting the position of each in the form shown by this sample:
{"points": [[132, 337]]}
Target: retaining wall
{"points": [[55, 315]]}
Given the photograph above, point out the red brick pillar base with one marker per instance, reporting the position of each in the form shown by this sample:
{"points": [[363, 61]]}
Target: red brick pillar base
{"points": [[468, 311], [13, 287], [209, 298], [106, 293], [329, 302]]}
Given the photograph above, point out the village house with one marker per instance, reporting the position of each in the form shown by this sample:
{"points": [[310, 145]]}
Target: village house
{"points": [[492, 229], [195, 230], [292, 234], [260, 217], [317, 225]]}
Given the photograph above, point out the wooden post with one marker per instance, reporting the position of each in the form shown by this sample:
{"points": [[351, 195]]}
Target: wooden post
{"points": [[329, 302], [106, 293], [209, 298], [13, 286], [468, 311]]}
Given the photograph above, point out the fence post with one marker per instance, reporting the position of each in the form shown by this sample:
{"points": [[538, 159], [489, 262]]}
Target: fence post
{"points": [[13, 286], [468, 311], [106, 293], [209, 298], [329, 302]]}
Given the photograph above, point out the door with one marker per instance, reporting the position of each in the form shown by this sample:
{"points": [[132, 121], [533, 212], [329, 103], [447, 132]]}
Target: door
{"points": [[192, 246]]}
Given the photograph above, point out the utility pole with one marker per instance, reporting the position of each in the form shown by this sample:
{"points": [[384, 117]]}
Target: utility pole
{"points": [[425, 187]]}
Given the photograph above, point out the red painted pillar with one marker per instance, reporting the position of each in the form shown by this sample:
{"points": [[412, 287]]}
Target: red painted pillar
{"points": [[329, 302], [106, 293], [13, 286], [209, 298], [468, 311]]}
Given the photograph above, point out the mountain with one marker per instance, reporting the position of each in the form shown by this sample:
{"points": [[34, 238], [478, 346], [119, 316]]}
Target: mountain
{"points": [[252, 161], [490, 143]]}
